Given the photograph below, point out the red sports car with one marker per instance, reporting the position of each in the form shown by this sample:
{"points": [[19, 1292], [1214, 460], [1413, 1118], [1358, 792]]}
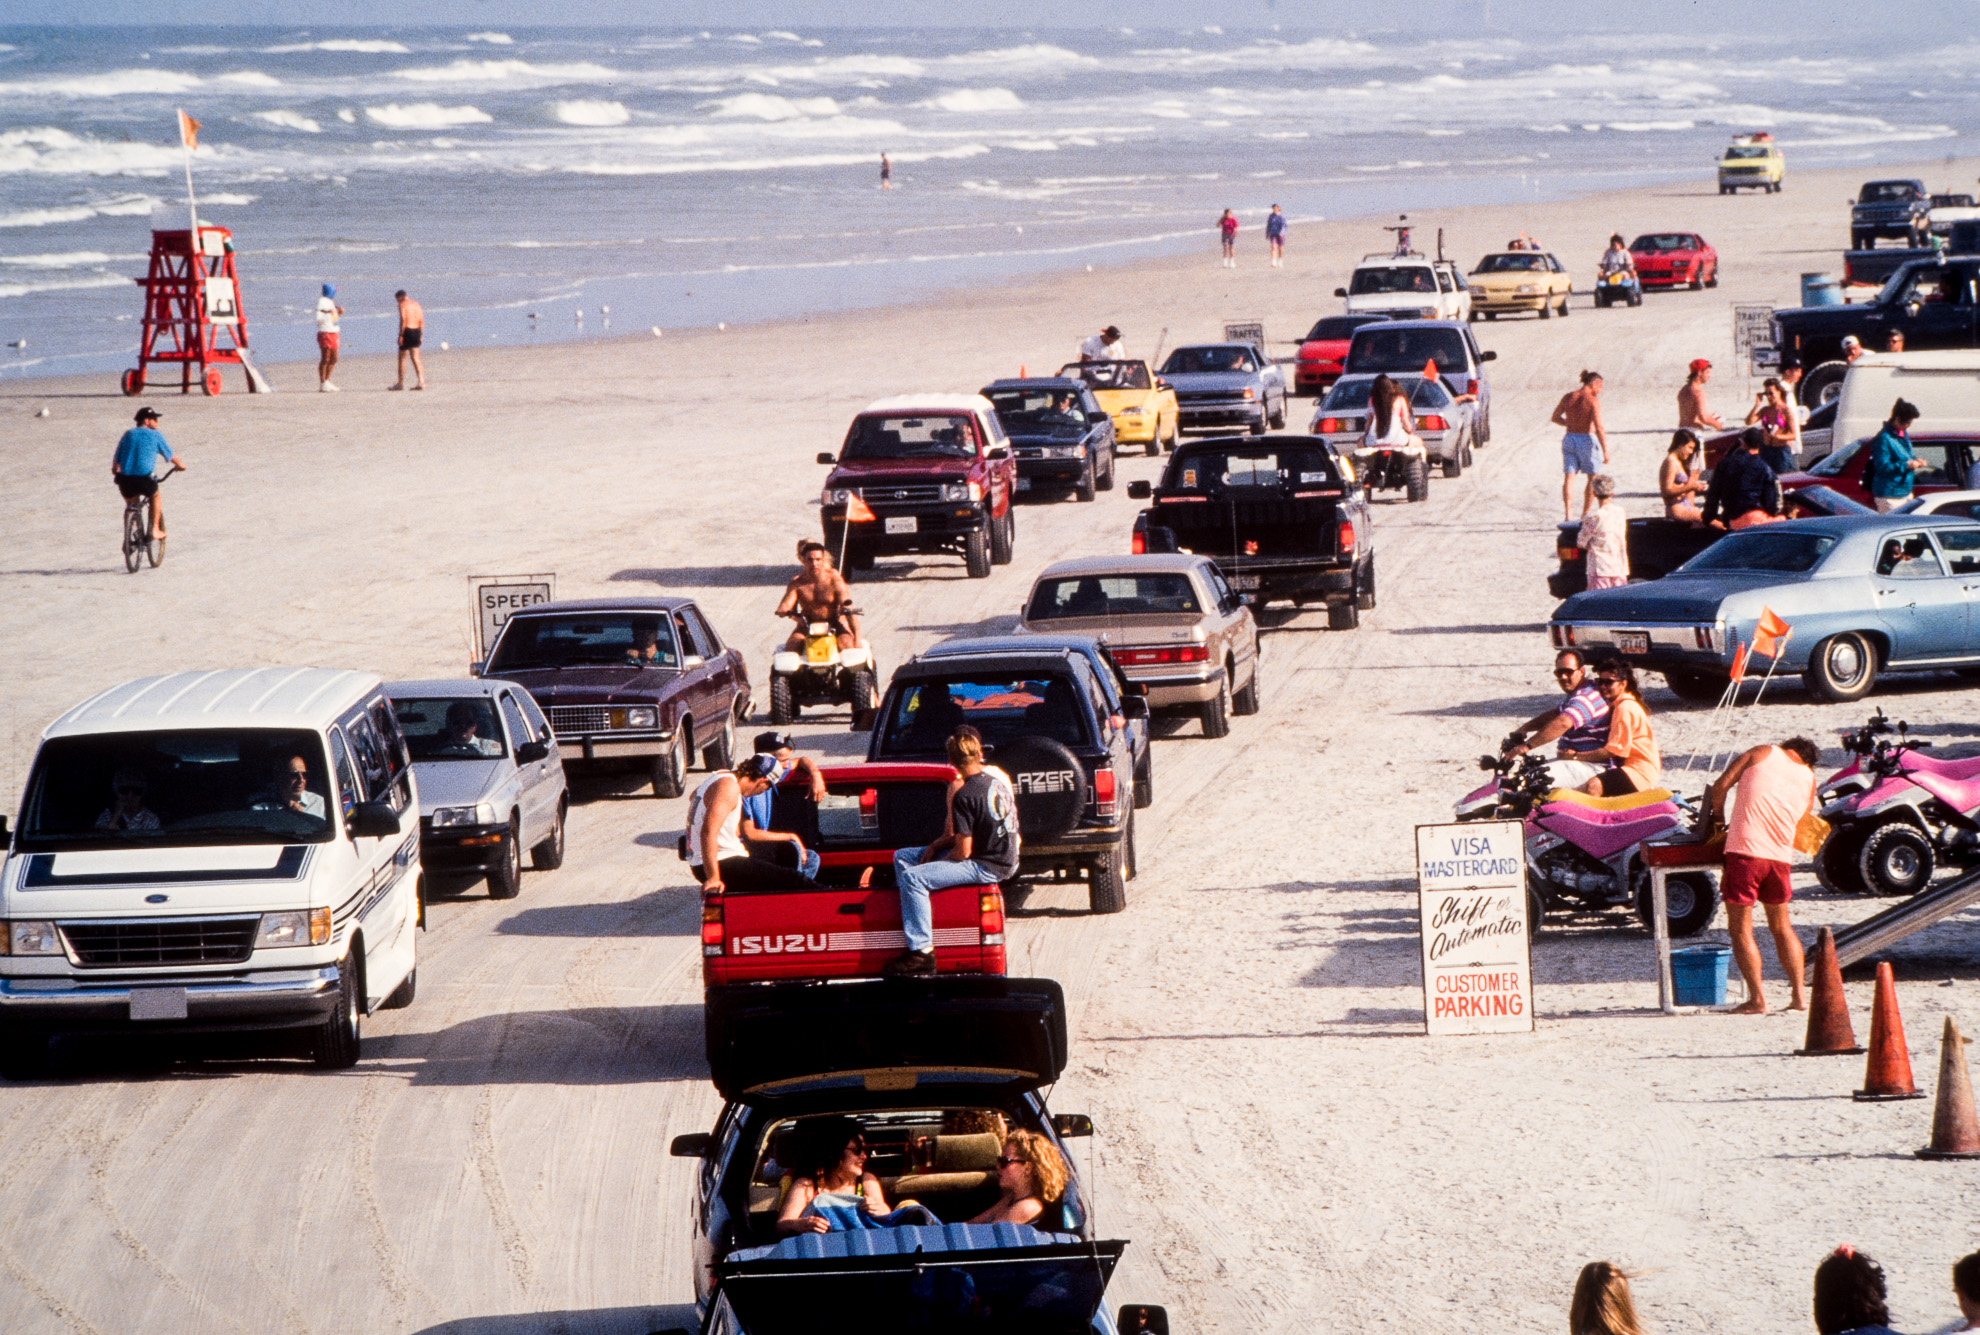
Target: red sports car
{"points": [[1323, 351], [1675, 259]]}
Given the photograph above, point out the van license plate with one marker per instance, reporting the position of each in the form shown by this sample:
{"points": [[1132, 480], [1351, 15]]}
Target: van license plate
{"points": [[158, 1003], [1244, 581], [1633, 641], [900, 523]]}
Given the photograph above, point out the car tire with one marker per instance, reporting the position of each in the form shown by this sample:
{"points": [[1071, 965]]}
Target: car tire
{"points": [[1843, 668], [1144, 782], [24, 1056], [1696, 688], [1277, 420], [1260, 427], [859, 558], [1003, 538], [1823, 384], [1343, 615], [669, 771], [1635, 297], [1106, 480], [1417, 486], [1564, 304], [1836, 862], [861, 696], [1897, 860], [1106, 880], [1471, 317], [334, 1045], [402, 995], [1491, 315], [1857, 241], [1697, 281], [720, 753], [1154, 445], [1083, 489], [549, 855], [1712, 279], [1215, 713], [976, 553], [1454, 466], [1364, 594], [1547, 310], [783, 704], [1244, 703], [1690, 900], [1464, 459], [505, 882]]}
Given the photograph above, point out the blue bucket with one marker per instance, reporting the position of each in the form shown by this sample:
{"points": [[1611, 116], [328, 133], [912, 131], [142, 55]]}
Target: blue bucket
{"points": [[1819, 289], [1699, 975]]}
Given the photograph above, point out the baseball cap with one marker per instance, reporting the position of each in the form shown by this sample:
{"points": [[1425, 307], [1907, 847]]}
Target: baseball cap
{"points": [[1112, 331], [1851, 341], [1701, 365], [769, 743], [144, 415], [758, 767], [329, 289]]}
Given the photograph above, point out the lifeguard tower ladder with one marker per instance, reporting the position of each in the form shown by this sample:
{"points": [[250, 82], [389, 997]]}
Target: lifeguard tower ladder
{"points": [[192, 313]]}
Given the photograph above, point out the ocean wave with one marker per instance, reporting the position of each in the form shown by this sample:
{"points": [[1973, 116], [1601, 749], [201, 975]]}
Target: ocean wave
{"points": [[425, 116], [48, 217], [68, 259], [978, 99], [228, 199], [778, 35], [764, 164], [28, 289], [289, 120], [1031, 61], [113, 83], [509, 72], [348, 45], [492, 38], [771, 107], [250, 79], [1030, 145], [590, 112], [48, 151]]}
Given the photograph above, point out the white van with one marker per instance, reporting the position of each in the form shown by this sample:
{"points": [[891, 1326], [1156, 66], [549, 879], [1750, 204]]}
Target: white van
{"points": [[1407, 287], [1945, 386], [212, 850]]}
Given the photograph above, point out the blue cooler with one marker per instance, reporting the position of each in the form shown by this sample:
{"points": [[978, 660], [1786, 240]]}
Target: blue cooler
{"points": [[1699, 975]]}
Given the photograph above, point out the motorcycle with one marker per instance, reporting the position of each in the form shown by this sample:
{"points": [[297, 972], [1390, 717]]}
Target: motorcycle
{"points": [[822, 673], [1897, 817], [1584, 854], [1620, 286], [1404, 468]]}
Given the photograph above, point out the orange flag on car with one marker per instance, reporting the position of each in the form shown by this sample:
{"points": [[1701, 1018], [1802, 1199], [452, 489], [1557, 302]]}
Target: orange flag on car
{"points": [[188, 131], [858, 511], [1430, 369], [1769, 632]]}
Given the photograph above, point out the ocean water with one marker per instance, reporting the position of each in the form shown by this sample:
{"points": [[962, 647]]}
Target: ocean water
{"points": [[549, 184]]}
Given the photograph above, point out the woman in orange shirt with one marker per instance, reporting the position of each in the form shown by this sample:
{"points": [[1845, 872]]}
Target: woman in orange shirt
{"points": [[1632, 745]]}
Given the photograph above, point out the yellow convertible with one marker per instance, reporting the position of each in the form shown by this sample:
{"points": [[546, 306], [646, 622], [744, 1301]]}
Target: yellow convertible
{"points": [[1520, 280], [1143, 407]]}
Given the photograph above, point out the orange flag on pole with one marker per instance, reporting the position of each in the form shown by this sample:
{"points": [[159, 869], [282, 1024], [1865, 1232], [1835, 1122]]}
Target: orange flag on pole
{"points": [[858, 511], [1738, 672], [188, 131], [1768, 633]]}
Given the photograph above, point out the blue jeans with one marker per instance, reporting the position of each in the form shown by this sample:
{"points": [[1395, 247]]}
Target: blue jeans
{"points": [[915, 881]]}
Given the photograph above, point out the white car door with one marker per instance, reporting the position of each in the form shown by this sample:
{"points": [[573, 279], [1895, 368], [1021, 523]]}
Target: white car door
{"points": [[531, 779], [389, 911]]}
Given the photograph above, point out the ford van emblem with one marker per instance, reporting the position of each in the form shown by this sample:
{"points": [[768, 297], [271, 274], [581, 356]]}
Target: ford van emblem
{"points": [[156, 899]]}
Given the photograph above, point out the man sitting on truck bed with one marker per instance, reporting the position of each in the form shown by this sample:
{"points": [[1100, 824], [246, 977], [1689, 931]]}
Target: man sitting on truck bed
{"points": [[979, 847], [766, 843]]}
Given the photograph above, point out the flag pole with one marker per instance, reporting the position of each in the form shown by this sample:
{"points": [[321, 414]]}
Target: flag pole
{"points": [[1772, 663], [192, 208]]}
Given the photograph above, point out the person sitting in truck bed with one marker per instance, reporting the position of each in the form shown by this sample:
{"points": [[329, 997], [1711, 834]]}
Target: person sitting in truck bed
{"points": [[834, 1192], [1033, 1176], [770, 844]]}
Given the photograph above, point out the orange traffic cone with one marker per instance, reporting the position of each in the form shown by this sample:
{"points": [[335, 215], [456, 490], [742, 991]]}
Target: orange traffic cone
{"points": [[1021, 374], [1955, 1131], [1829, 1031], [1887, 1075]]}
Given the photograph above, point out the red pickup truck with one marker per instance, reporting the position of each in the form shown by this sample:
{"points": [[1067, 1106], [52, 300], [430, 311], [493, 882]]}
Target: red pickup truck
{"points": [[846, 931]]}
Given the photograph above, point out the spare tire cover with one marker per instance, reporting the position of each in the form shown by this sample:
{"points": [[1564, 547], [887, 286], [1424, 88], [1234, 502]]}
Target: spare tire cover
{"points": [[1050, 784]]}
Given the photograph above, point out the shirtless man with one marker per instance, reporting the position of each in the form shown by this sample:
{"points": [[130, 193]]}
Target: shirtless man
{"points": [[1693, 415], [412, 331], [820, 593], [1579, 415]]}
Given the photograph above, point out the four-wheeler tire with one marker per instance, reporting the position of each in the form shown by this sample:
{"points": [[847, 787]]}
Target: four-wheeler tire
{"points": [[720, 753], [1823, 384], [669, 770], [1345, 615], [549, 855], [1897, 860], [1047, 804], [783, 705], [1084, 488], [402, 995], [1417, 484], [1636, 296], [976, 553], [1601, 299], [1842, 668], [1106, 882], [1244, 703], [1536, 912], [1690, 900], [1364, 594], [1696, 688], [863, 690], [1216, 711], [132, 383], [334, 1044], [1144, 781], [1835, 862], [505, 882]]}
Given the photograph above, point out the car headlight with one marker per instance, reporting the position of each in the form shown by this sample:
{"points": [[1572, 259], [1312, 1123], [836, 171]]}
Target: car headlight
{"points": [[1064, 451], [298, 927], [451, 817], [33, 938], [1251, 393], [955, 491], [835, 496], [1131, 412], [641, 717], [1529, 287]]}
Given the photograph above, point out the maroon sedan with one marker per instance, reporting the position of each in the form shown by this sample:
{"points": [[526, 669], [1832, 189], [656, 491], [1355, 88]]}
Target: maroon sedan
{"points": [[1948, 458], [1323, 351], [1675, 259]]}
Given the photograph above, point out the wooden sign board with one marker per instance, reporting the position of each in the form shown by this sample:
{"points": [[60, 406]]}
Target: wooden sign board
{"points": [[1477, 958]]}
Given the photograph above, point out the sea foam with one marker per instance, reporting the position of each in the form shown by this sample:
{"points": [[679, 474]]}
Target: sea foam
{"points": [[589, 111], [289, 120], [426, 116]]}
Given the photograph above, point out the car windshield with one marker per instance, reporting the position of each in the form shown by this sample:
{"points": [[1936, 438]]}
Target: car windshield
{"points": [[1280, 464], [451, 728], [1352, 395], [1887, 192], [1046, 408], [1340, 328], [1658, 242], [177, 789], [1406, 348], [1777, 552], [910, 438], [1111, 375], [1392, 278], [1746, 151], [1112, 596], [1001, 707], [1526, 262], [586, 639], [1188, 361], [1833, 464]]}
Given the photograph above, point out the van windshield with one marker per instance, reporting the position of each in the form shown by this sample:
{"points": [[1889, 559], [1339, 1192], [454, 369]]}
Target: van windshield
{"points": [[177, 790], [1392, 278]]}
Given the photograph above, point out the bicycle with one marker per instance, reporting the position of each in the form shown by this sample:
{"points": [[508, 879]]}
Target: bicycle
{"points": [[139, 545]]}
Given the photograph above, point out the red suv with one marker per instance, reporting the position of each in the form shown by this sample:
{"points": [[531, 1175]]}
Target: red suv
{"points": [[930, 473]]}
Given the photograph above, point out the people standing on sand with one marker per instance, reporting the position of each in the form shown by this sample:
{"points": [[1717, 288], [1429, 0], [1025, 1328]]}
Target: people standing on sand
{"points": [[1892, 467], [886, 173], [1776, 789], [1966, 1291], [412, 330], [1275, 236], [1602, 1305], [1850, 1295], [1770, 411], [1692, 412], [1579, 414], [1604, 536], [1104, 346], [1744, 491], [1632, 742], [1791, 385], [328, 314], [1227, 227], [1678, 480]]}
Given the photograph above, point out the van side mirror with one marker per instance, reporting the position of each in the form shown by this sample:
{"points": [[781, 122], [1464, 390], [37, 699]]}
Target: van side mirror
{"points": [[1143, 1319], [1132, 706], [998, 452], [692, 1146], [1140, 490], [477, 667], [1072, 1124], [528, 753], [1488, 356], [372, 820], [827, 457], [1340, 292]]}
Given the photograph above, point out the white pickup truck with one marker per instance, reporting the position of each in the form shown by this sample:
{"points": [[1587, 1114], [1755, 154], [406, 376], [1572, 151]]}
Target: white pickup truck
{"points": [[1407, 287]]}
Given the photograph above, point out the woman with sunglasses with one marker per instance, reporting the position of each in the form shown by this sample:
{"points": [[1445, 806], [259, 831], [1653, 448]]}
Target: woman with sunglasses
{"points": [[1032, 1175], [837, 1194], [1631, 750]]}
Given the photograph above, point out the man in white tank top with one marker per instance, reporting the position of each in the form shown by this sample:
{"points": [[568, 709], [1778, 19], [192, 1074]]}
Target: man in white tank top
{"points": [[716, 853]]}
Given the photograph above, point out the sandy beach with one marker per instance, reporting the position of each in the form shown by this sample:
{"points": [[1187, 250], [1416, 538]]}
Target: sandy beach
{"points": [[1283, 1147]]}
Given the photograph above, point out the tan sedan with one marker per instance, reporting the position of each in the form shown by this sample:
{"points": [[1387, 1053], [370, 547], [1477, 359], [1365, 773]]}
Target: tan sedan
{"points": [[1171, 622], [1520, 280]]}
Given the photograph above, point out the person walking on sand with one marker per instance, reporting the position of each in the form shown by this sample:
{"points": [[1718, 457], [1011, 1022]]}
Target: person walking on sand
{"points": [[1275, 236], [328, 313], [1776, 789], [1227, 227], [886, 173], [1693, 415], [412, 329], [1579, 414], [1604, 536], [1601, 1304]]}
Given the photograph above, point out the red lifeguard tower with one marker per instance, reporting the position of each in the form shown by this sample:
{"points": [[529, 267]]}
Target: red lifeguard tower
{"points": [[192, 313]]}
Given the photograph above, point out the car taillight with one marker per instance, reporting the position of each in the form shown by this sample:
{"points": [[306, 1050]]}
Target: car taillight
{"points": [[1347, 536], [990, 919], [1432, 422], [1106, 802], [1568, 553], [711, 925], [869, 809], [1330, 424], [1178, 653], [1140, 544]]}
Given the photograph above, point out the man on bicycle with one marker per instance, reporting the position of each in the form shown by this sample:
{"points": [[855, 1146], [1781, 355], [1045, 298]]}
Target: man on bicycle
{"points": [[138, 453]]}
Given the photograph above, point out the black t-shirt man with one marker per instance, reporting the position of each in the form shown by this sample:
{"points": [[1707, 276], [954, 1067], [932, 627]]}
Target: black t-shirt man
{"points": [[985, 809]]}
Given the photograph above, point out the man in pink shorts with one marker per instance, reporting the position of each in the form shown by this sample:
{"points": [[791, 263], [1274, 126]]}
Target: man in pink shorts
{"points": [[1776, 789]]}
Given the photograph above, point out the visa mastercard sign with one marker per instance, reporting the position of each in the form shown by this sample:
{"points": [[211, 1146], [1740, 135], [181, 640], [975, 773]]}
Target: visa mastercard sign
{"points": [[1477, 958]]}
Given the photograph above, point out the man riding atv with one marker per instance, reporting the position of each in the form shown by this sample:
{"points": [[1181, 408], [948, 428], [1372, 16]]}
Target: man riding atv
{"points": [[819, 593]]}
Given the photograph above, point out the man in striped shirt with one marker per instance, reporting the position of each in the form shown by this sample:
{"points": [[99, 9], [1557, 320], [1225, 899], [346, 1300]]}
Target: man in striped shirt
{"points": [[1582, 724]]}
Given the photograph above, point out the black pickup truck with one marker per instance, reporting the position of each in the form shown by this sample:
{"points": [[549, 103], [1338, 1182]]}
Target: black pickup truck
{"points": [[1889, 209], [1932, 302], [1282, 516], [1863, 267]]}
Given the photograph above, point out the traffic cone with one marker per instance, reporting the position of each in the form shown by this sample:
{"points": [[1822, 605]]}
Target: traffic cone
{"points": [[1887, 1075], [1021, 374], [1829, 1031], [1955, 1131]]}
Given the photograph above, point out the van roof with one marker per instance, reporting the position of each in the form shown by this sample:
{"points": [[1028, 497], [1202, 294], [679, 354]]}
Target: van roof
{"points": [[930, 403], [1947, 359], [226, 697]]}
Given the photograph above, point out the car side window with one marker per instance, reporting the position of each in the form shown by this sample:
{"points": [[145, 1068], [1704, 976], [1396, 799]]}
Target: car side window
{"points": [[1962, 549], [1934, 455], [1221, 596], [1444, 281], [346, 776], [699, 635], [539, 726], [512, 716], [1908, 556]]}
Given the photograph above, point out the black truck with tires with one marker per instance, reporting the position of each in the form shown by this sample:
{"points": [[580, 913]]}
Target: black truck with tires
{"points": [[1046, 722], [1282, 516], [1932, 302]]}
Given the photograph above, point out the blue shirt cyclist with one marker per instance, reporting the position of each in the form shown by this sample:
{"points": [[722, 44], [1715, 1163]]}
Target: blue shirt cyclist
{"points": [[136, 460]]}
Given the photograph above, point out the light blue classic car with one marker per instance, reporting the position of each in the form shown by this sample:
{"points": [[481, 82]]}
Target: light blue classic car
{"points": [[1864, 595]]}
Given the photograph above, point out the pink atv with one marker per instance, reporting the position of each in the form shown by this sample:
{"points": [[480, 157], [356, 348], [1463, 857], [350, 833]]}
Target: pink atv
{"points": [[1897, 816]]}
